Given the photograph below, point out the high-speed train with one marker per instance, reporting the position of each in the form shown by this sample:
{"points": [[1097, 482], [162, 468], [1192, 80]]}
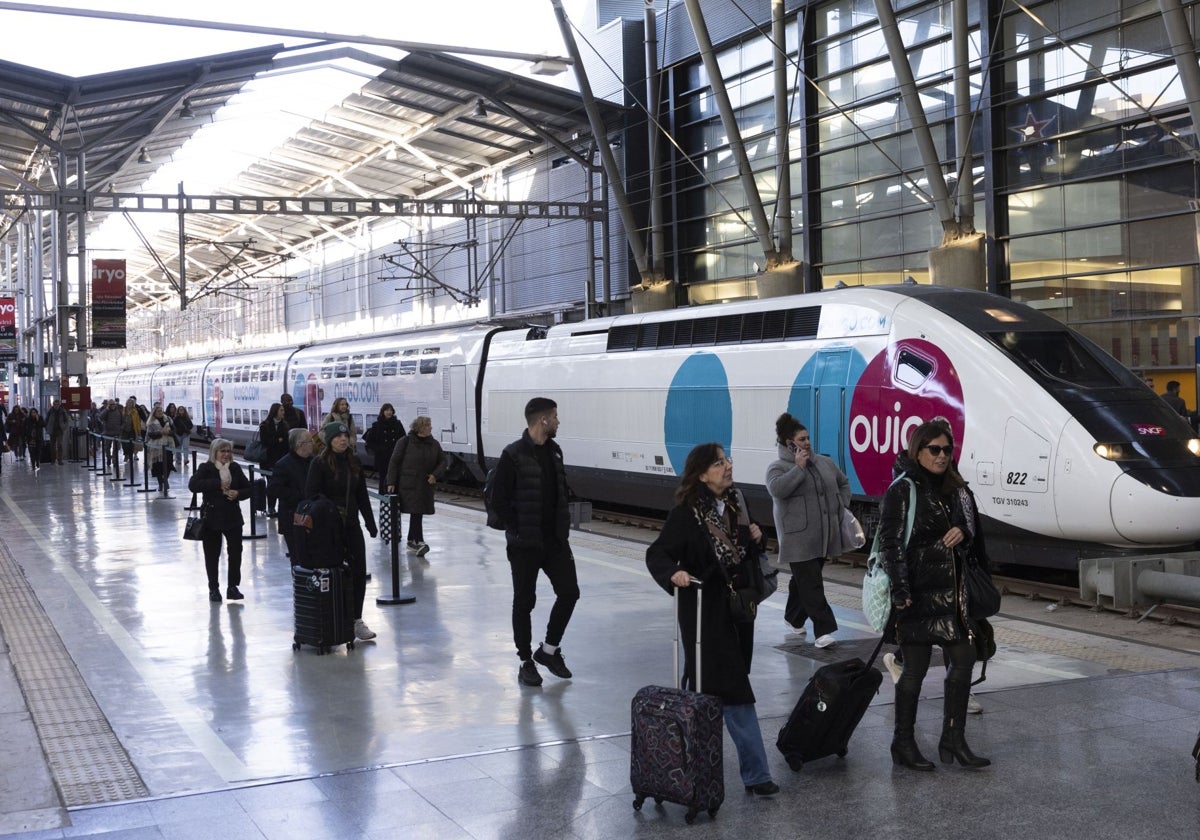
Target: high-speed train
{"points": [[1068, 453]]}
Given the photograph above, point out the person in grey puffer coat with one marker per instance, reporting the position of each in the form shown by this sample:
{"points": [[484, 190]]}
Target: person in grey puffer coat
{"points": [[808, 492], [928, 592]]}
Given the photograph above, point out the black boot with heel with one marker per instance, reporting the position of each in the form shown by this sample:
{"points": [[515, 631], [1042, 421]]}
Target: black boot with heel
{"points": [[953, 746], [905, 752]]}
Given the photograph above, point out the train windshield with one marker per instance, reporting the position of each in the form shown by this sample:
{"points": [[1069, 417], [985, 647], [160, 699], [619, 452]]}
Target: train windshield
{"points": [[1061, 358]]}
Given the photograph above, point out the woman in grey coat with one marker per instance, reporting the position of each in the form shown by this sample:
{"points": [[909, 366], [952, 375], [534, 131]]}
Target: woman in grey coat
{"points": [[416, 465], [808, 492]]}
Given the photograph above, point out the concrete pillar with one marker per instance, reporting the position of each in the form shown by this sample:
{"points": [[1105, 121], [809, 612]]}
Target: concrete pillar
{"points": [[959, 263], [782, 280], [652, 298]]}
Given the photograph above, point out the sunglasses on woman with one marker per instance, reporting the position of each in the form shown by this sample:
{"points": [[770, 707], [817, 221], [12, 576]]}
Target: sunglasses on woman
{"points": [[936, 450]]}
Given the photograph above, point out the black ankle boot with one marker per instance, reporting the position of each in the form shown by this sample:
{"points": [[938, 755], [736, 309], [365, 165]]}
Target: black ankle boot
{"points": [[904, 745], [953, 745]]}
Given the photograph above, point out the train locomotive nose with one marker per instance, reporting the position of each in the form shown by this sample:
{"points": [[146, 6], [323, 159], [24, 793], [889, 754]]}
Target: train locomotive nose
{"points": [[1145, 510]]}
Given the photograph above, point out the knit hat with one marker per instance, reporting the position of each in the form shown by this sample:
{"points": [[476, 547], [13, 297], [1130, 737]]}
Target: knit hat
{"points": [[331, 430], [538, 405]]}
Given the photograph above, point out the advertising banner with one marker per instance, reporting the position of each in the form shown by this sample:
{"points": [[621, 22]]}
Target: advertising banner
{"points": [[8, 329], [108, 304]]}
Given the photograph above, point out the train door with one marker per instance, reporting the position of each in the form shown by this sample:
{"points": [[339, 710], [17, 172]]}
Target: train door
{"points": [[458, 403], [830, 409]]}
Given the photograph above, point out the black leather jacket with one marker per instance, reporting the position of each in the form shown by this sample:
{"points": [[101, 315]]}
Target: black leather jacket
{"points": [[927, 572]]}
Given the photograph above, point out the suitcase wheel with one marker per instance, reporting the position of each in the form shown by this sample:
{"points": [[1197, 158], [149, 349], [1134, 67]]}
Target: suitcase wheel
{"points": [[295, 646], [690, 816], [795, 762], [841, 754], [712, 812], [658, 800], [350, 646], [637, 802]]}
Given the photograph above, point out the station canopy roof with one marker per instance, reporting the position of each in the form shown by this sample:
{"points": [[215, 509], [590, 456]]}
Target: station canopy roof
{"points": [[318, 120]]}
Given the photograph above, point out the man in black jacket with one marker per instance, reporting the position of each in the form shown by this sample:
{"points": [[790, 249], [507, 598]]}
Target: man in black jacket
{"points": [[530, 497]]}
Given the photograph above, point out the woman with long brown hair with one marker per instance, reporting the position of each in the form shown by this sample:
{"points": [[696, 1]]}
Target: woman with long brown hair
{"points": [[709, 538]]}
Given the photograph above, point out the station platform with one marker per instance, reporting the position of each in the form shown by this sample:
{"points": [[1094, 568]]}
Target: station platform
{"points": [[132, 707]]}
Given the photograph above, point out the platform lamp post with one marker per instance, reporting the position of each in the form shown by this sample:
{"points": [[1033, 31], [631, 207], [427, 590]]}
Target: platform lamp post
{"points": [[398, 596]]}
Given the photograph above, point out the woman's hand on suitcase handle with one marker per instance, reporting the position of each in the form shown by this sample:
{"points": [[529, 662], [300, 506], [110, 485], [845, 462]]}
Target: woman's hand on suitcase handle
{"points": [[682, 579]]}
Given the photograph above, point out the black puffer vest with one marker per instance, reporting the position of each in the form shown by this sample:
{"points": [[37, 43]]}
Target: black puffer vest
{"points": [[526, 531]]}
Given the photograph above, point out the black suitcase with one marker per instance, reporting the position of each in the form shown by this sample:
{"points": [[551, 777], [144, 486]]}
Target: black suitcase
{"points": [[322, 608], [833, 702], [258, 495], [677, 742]]}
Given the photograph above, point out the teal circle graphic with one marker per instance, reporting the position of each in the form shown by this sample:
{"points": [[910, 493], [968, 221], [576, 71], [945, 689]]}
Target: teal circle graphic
{"points": [[823, 388], [699, 408]]}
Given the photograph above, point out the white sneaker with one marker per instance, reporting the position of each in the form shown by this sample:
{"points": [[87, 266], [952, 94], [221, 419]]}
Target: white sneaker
{"points": [[825, 641], [362, 632], [797, 632], [973, 707], [422, 549], [894, 668]]}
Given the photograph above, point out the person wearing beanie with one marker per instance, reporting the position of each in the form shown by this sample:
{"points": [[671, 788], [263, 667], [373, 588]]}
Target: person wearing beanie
{"points": [[530, 498], [337, 474]]}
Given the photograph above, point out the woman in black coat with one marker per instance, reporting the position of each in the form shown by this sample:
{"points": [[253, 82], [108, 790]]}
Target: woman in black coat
{"points": [[415, 467], [705, 539], [337, 475], [273, 433], [289, 478], [381, 439], [928, 589], [224, 486]]}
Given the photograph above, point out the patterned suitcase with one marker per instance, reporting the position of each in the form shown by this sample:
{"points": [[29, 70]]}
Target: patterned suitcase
{"points": [[833, 702], [677, 750], [321, 608]]}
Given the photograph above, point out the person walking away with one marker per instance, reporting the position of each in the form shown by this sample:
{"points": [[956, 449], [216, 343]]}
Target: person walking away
{"points": [[57, 425], [224, 486], [337, 474], [704, 539], [808, 493], [160, 439], [530, 499], [340, 413], [292, 415], [288, 480], [929, 607], [183, 437], [16, 432], [35, 428], [273, 432], [113, 418], [133, 429], [380, 441], [416, 465]]}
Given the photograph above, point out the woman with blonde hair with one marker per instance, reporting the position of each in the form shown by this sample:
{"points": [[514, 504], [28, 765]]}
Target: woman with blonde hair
{"points": [[340, 413], [416, 464], [223, 485]]}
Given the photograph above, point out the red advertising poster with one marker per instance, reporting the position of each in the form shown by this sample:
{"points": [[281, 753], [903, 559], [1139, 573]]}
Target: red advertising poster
{"points": [[108, 304], [8, 329]]}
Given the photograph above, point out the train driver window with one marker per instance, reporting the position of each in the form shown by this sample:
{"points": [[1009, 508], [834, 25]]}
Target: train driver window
{"points": [[1058, 356]]}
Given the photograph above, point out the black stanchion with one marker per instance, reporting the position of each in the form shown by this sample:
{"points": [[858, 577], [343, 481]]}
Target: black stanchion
{"points": [[90, 463], [194, 505], [397, 596], [115, 460], [253, 535], [146, 488], [75, 433], [131, 466]]}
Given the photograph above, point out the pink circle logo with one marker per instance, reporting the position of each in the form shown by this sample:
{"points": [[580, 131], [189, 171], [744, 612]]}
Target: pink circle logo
{"points": [[909, 383]]}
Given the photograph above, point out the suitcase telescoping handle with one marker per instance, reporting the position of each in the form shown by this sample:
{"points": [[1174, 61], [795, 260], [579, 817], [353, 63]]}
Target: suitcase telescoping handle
{"points": [[696, 582]]}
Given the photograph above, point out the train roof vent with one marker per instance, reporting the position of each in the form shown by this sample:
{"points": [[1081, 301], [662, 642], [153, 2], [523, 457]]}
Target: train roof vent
{"points": [[622, 338], [647, 336], [803, 322], [704, 331]]}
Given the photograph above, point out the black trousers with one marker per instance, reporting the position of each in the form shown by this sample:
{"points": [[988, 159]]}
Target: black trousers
{"points": [[806, 599], [212, 554], [959, 655], [356, 556], [559, 565]]}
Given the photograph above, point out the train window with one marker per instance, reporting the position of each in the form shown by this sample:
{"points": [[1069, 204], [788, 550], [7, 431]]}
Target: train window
{"points": [[229, 415], [327, 368], [431, 351], [371, 368], [266, 374], [340, 367], [429, 365], [356, 367], [408, 367], [389, 362], [1057, 356]]}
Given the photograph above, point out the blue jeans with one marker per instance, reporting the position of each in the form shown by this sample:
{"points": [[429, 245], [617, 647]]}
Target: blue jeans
{"points": [[742, 723]]}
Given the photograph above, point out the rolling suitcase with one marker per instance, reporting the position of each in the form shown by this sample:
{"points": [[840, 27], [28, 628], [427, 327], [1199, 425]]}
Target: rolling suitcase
{"points": [[833, 702], [321, 608], [677, 745]]}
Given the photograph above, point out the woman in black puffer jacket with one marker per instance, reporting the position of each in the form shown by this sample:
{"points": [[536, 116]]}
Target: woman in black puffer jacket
{"points": [[928, 593]]}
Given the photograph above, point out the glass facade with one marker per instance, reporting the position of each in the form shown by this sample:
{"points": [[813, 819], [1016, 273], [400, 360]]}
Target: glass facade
{"points": [[1081, 171]]}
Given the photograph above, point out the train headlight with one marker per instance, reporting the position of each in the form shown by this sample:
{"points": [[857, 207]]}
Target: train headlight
{"points": [[1193, 446], [1110, 451]]}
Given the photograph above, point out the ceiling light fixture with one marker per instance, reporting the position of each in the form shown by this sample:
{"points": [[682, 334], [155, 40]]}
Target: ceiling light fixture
{"points": [[186, 112], [391, 153], [328, 185], [480, 111], [144, 156]]}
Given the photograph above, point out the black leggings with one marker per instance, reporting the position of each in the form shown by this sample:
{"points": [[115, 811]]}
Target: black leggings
{"points": [[960, 655]]}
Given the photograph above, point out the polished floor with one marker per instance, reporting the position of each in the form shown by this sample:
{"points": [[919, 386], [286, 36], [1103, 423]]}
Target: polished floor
{"points": [[222, 730]]}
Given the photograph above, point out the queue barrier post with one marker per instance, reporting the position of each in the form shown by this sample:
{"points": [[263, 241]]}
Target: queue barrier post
{"points": [[194, 505], [114, 459], [253, 535], [146, 472], [397, 596]]}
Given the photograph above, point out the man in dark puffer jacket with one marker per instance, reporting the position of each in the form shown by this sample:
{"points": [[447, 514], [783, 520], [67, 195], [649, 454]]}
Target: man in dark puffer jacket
{"points": [[530, 497]]}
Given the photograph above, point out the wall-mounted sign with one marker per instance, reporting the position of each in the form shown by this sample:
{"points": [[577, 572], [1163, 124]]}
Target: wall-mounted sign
{"points": [[108, 304], [8, 329]]}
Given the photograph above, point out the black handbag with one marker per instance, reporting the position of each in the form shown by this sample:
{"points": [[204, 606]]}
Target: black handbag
{"points": [[194, 528], [983, 598], [985, 645], [743, 603]]}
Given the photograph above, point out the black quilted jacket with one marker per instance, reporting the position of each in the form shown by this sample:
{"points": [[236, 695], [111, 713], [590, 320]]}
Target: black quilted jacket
{"points": [[927, 572]]}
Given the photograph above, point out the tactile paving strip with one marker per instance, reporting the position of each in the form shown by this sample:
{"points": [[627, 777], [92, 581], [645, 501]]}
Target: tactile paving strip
{"points": [[88, 762]]}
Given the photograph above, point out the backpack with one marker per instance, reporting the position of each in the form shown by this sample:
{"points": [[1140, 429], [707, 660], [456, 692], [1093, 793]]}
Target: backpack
{"points": [[489, 495], [317, 534]]}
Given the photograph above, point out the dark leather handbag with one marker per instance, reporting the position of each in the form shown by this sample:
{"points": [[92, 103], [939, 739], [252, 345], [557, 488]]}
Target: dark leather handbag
{"points": [[743, 603], [983, 598], [985, 645], [194, 528]]}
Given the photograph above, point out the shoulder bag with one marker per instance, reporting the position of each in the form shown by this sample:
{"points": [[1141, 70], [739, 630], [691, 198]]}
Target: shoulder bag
{"points": [[194, 528], [983, 598], [255, 449], [852, 532], [877, 586]]}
